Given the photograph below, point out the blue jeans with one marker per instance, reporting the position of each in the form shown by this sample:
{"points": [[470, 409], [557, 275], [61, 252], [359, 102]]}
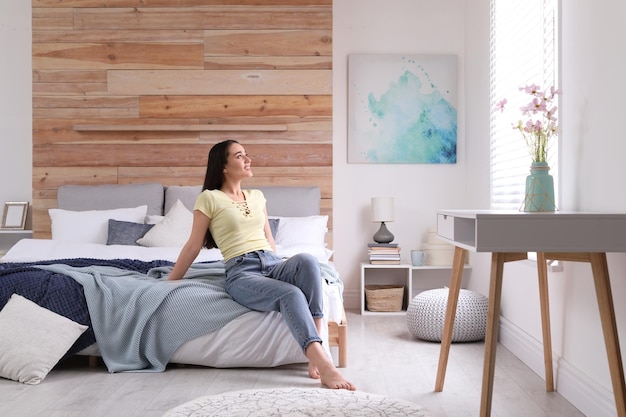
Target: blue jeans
{"points": [[264, 282]]}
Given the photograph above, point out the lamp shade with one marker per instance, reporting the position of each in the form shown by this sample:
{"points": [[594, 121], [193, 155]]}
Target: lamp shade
{"points": [[382, 209]]}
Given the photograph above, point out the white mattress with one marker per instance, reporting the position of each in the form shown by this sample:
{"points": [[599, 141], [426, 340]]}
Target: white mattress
{"points": [[254, 339]]}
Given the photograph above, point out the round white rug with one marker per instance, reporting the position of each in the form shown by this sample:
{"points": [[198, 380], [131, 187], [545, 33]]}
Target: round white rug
{"points": [[292, 402]]}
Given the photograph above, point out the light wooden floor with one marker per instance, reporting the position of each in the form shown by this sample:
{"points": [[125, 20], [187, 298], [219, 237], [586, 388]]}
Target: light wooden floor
{"points": [[383, 359]]}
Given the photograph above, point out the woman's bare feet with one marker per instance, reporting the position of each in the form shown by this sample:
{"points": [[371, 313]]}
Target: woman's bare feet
{"points": [[333, 379], [322, 368], [313, 372]]}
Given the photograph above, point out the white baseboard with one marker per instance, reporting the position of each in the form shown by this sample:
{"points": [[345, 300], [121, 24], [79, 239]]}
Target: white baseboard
{"points": [[577, 388]]}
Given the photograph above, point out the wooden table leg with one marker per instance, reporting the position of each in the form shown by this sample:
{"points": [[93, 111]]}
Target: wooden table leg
{"points": [[601, 280], [493, 320], [491, 337], [544, 301], [458, 265], [609, 327]]}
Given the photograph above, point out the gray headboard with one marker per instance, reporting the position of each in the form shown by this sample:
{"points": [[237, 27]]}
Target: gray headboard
{"points": [[281, 201], [292, 201], [111, 196]]}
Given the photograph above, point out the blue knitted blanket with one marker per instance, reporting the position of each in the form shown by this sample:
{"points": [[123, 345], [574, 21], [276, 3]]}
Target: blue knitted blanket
{"points": [[140, 319]]}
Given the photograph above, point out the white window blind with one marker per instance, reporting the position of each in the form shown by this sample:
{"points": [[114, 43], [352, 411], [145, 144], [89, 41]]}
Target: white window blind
{"points": [[523, 52]]}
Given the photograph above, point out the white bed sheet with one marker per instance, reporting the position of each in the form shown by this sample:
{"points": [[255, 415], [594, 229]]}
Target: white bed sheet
{"points": [[254, 339], [32, 250]]}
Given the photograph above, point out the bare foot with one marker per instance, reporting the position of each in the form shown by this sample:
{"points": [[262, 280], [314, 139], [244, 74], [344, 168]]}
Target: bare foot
{"points": [[313, 372], [328, 374], [333, 379]]}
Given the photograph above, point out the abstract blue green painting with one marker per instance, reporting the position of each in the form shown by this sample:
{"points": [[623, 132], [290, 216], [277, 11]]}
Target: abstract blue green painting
{"points": [[402, 109]]}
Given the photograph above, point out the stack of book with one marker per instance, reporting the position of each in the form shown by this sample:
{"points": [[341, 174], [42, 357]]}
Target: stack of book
{"points": [[384, 253]]}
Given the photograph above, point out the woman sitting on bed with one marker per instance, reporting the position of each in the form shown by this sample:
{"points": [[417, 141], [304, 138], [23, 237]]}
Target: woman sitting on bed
{"points": [[236, 222]]}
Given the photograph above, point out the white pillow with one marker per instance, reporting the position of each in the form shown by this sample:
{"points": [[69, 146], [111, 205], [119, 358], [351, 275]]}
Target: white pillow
{"points": [[173, 230], [306, 230], [33, 340], [153, 218], [321, 253], [90, 226]]}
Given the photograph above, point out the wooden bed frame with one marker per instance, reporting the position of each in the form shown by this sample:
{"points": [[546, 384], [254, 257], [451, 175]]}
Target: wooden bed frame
{"points": [[338, 337]]}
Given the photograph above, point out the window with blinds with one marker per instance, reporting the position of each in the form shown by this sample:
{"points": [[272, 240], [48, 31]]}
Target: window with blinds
{"points": [[524, 51]]}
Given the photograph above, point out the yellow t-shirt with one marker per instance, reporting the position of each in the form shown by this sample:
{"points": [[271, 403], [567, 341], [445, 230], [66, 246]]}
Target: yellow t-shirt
{"points": [[237, 227]]}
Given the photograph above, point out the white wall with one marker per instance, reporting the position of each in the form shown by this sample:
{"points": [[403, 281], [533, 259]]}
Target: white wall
{"points": [[419, 27], [593, 64], [15, 102]]}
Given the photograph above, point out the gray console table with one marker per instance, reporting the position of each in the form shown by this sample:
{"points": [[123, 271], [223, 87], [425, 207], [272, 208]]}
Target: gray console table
{"points": [[509, 236]]}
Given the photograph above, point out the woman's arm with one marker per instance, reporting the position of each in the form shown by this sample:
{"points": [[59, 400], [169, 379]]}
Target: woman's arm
{"points": [[268, 231], [192, 248]]}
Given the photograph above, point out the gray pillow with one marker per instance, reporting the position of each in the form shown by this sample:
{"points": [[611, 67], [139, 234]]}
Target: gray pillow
{"points": [[274, 226], [126, 233]]}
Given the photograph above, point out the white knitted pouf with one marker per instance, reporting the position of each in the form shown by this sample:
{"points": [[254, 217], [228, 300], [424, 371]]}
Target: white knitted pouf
{"points": [[426, 315]]}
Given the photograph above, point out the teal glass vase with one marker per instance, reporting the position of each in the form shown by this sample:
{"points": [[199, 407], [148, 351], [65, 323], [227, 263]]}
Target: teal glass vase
{"points": [[539, 189]]}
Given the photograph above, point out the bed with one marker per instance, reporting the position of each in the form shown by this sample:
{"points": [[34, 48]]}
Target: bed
{"points": [[104, 268]]}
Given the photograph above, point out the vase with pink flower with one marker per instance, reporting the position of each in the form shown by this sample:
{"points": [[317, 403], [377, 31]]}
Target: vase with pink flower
{"points": [[538, 130]]}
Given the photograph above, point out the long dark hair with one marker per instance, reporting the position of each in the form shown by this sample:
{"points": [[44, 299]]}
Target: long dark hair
{"points": [[214, 177]]}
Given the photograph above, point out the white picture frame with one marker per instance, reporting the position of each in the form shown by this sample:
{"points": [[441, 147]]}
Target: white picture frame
{"points": [[14, 215]]}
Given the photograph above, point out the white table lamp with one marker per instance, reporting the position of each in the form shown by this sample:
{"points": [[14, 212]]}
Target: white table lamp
{"points": [[382, 211]]}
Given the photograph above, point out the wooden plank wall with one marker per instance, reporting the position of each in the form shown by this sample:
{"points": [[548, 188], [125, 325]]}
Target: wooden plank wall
{"points": [[128, 91]]}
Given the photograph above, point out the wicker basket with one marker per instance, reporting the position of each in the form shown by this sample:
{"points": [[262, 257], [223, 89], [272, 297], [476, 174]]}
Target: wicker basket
{"points": [[384, 297]]}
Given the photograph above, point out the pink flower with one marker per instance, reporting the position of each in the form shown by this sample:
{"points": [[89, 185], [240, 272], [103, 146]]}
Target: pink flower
{"points": [[500, 105], [554, 92], [530, 89], [541, 124], [540, 105]]}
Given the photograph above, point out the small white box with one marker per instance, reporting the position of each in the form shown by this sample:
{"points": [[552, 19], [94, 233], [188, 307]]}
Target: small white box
{"points": [[433, 239], [437, 257]]}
